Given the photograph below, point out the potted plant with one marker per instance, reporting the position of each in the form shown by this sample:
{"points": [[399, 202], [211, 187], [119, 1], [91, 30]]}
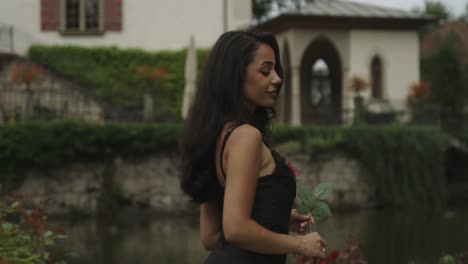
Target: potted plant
{"points": [[358, 85], [418, 103]]}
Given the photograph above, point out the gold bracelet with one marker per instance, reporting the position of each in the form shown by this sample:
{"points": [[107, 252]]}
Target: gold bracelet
{"points": [[302, 247], [304, 253]]}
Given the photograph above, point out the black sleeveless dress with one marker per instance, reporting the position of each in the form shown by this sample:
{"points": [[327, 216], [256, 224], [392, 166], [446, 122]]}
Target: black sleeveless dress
{"points": [[272, 206]]}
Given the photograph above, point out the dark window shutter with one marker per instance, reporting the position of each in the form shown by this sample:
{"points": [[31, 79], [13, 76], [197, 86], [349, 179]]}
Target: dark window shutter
{"points": [[50, 14], [113, 15], [376, 77]]}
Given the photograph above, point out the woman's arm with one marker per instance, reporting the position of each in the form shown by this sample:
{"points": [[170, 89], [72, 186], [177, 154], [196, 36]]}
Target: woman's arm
{"points": [[242, 170], [210, 225]]}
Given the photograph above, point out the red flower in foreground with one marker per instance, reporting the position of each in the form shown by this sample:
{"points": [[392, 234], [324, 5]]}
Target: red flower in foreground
{"points": [[303, 260], [333, 255], [294, 171], [61, 230]]}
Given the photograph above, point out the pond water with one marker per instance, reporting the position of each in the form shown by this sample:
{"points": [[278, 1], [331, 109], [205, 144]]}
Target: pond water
{"points": [[388, 237]]}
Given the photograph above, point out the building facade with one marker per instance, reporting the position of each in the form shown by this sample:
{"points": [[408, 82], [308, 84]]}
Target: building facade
{"points": [[327, 43], [324, 44], [145, 24]]}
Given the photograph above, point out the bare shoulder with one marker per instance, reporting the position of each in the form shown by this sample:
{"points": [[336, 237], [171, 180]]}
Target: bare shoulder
{"points": [[246, 134], [244, 151]]}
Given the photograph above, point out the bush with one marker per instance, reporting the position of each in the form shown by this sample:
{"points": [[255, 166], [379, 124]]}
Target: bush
{"points": [[108, 72], [51, 144], [24, 234], [404, 164], [446, 73]]}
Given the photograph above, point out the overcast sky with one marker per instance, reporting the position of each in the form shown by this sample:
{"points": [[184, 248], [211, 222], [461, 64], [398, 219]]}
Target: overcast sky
{"points": [[456, 7]]}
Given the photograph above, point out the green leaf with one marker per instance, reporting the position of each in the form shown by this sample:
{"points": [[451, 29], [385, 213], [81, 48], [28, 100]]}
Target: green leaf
{"points": [[320, 211], [305, 197], [49, 242], [48, 234], [323, 190], [448, 259], [302, 208]]}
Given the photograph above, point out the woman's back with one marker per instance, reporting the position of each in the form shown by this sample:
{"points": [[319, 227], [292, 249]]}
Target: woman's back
{"points": [[274, 195]]}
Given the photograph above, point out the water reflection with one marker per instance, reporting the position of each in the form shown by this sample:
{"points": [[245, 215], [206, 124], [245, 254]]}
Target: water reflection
{"points": [[416, 237], [388, 237]]}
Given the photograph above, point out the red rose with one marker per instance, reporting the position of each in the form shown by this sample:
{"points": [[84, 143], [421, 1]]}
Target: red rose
{"points": [[294, 171], [303, 260], [61, 230], [332, 256]]}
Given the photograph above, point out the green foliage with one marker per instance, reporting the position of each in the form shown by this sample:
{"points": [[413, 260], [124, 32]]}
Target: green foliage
{"points": [[323, 190], [24, 235], [261, 8], [437, 9], [448, 260], [404, 164], [464, 17], [108, 72], [314, 202], [446, 74], [51, 144], [282, 134]]}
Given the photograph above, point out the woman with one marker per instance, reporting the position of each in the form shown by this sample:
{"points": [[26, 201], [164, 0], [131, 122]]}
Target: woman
{"points": [[245, 189]]}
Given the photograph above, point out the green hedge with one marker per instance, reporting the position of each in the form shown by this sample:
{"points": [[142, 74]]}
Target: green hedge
{"points": [[107, 72], [405, 164], [52, 144]]}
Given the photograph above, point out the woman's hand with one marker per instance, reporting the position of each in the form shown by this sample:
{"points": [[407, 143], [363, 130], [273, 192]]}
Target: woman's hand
{"points": [[299, 223], [313, 245]]}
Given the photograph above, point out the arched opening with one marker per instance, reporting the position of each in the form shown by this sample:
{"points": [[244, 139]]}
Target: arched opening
{"points": [[376, 77], [321, 90]]}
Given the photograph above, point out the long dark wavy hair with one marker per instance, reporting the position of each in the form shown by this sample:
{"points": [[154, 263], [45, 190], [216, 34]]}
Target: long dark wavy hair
{"points": [[219, 99]]}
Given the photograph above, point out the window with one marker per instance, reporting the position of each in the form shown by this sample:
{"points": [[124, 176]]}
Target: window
{"points": [[82, 16], [376, 77]]}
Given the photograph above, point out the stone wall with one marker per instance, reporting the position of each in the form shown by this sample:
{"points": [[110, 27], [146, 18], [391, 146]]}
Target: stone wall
{"points": [[350, 186], [153, 183], [51, 98]]}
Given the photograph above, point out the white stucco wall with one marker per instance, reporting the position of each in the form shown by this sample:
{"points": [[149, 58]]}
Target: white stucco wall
{"points": [[300, 39], [303, 38], [399, 51], [147, 24]]}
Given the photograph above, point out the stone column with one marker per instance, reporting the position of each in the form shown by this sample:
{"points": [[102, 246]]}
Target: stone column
{"points": [[27, 111], [148, 105], [295, 96]]}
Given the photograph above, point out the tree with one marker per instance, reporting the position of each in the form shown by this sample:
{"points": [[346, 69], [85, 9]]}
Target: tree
{"points": [[433, 8], [261, 8], [446, 73], [464, 16], [437, 9]]}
